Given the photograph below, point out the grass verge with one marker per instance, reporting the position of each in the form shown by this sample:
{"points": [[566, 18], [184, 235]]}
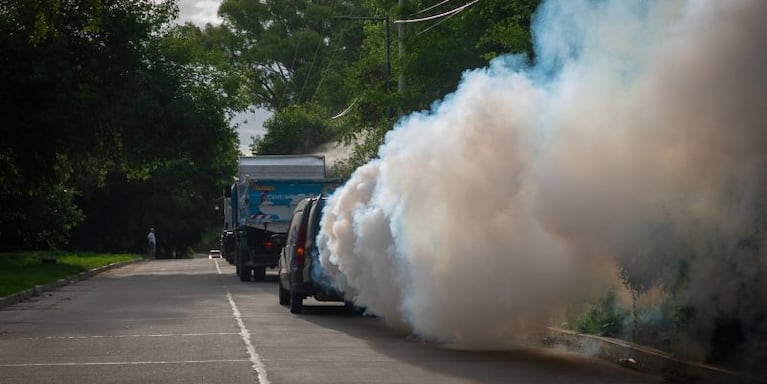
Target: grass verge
{"points": [[23, 270]]}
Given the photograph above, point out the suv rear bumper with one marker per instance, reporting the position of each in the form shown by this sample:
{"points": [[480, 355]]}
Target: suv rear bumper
{"points": [[308, 288]]}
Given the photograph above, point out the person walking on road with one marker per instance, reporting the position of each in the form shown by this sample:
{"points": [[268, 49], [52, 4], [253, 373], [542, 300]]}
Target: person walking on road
{"points": [[151, 243]]}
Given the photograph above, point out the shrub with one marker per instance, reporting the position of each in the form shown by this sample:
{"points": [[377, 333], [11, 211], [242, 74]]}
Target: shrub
{"points": [[604, 318]]}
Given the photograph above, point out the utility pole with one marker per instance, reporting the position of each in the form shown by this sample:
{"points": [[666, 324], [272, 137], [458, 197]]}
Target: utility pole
{"points": [[401, 49]]}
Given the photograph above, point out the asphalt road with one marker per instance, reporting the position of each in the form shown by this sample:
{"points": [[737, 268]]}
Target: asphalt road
{"points": [[193, 321]]}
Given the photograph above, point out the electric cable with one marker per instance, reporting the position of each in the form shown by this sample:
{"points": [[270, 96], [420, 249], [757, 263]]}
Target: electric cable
{"points": [[314, 60], [437, 23], [330, 60], [456, 10], [430, 8]]}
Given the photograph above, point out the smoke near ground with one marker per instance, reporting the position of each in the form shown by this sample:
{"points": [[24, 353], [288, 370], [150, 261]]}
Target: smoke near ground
{"points": [[637, 139]]}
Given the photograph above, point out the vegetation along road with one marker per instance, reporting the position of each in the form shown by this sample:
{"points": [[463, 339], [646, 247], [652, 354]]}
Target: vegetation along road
{"points": [[193, 321]]}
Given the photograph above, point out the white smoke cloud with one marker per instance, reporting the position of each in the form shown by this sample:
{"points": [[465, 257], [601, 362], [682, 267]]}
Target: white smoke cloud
{"points": [[637, 138]]}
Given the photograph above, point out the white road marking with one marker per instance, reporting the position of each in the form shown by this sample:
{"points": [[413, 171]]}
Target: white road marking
{"points": [[218, 268], [120, 363], [258, 365]]}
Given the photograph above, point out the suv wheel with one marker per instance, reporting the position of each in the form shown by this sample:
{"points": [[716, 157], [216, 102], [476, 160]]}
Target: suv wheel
{"points": [[296, 302], [284, 295]]}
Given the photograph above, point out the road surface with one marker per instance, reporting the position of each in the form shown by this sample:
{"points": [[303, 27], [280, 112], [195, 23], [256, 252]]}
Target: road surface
{"points": [[193, 321]]}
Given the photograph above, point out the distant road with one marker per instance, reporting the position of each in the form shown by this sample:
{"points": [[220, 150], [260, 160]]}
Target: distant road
{"points": [[193, 321]]}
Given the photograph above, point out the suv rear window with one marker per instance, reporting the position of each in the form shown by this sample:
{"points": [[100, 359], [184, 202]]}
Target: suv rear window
{"points": [[315, 215]]}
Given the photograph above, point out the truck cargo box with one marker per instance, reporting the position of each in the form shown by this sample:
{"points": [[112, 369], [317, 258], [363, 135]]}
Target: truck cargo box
{"points": [[269, 203], [282, 167]]}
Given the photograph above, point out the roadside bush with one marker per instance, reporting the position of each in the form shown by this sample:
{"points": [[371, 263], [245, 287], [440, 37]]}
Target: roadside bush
{"points": [[604, 318]]}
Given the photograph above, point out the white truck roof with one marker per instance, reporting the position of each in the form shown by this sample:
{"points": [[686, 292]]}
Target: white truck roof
{"points": [[282, 167]]}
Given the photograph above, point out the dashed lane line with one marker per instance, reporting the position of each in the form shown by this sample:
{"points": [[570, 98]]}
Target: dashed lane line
{"points": [[255, 359]]}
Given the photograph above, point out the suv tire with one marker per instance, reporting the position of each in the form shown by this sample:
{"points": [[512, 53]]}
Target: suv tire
{"points": [[284, 295], [296, 303]]}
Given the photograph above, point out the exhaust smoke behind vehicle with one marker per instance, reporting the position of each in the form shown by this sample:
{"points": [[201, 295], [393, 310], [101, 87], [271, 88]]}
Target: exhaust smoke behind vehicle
{"points": [[637, 139]]}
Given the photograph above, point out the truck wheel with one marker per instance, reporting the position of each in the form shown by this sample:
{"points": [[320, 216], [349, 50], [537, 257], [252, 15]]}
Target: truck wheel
{"points": [[284, 295], [296, 303], [244, 272], [259, 273], [240, 260]]}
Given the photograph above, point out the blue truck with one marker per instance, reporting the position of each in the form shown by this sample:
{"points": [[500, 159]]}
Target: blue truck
{"points": [[259, 205]]}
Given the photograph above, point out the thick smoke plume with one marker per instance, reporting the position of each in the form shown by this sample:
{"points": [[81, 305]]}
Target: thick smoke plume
{"points": [[637, 139]]}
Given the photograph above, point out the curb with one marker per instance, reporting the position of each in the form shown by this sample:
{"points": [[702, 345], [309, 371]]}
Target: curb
{"points": [[38, 290], [644, 359]]}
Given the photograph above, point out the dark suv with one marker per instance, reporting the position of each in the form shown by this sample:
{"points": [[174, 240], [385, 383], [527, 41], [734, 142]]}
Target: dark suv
{"points": [[298, 260]]}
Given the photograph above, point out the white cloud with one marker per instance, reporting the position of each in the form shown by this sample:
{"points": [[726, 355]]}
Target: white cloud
{"points": [[199, 12], [250, 123]]}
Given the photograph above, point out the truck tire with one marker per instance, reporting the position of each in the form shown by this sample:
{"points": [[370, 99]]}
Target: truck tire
{"points": [[284, 295], [296, 303], [245, 273], [259, 273], [242, 271]]}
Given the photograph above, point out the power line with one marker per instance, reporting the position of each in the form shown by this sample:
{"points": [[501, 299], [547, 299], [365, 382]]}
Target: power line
{"points": [[314, 60], [448, 13], [345, 111], [430, 8], [337, 47], [437, 23]]}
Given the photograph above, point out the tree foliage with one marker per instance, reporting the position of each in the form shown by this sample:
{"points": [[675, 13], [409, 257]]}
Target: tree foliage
{"points": [[119, 118], [111, 135], [297, 53], [294, 130], [290, 52], [428, 59]]}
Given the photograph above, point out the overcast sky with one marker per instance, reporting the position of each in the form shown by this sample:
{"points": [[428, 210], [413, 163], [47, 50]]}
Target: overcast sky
{"points": [[201, 12]]}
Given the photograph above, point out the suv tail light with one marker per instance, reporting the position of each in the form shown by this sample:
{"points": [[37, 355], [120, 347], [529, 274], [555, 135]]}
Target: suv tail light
{"points": [[300, 244], [268, 245]]}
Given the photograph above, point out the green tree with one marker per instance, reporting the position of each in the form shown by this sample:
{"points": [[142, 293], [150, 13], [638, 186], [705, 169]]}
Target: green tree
{"points": [[284, 55], [294, 130], [291, 52], [109, 127], [435, 53], [506, 27], [298, 53], [61, 73]]}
